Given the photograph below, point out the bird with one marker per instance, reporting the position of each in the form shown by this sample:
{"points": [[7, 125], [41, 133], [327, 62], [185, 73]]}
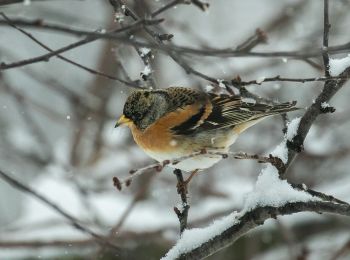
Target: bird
{"points": [[177, 122]]}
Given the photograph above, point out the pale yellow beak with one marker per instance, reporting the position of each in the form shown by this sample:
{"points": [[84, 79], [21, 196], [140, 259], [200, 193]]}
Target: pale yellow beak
{"points": [[122, 121]]}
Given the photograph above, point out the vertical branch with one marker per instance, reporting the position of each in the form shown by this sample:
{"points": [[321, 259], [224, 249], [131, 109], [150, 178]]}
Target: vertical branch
{"points": [[326, 26], [182, 191]]}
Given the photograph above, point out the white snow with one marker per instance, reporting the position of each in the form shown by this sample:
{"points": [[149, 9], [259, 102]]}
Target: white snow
{"points": [[270, 190], [292, 128], [193, 238], [221, 83], [119, 17], [281, 150], [325, 105], [147, 70], [144, 51], [209, 88], [337, 66]]}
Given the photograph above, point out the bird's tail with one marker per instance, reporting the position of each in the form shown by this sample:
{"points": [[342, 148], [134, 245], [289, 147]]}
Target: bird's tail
{"points": [[263, 110]]}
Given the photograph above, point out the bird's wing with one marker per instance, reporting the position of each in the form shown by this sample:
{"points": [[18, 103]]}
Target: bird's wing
{"points": [[220, 111]]}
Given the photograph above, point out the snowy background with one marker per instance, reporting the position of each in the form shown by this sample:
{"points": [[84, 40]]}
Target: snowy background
{"points": [[57, 131]]}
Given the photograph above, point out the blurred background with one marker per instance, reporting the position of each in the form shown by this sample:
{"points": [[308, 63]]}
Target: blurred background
{"points": [[57, 127]]}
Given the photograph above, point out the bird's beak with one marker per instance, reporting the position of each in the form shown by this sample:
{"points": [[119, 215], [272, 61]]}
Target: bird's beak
{"points": [[122, 121]]}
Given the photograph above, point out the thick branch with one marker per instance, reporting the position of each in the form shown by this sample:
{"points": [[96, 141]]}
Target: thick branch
{"points": [[257, 217]]}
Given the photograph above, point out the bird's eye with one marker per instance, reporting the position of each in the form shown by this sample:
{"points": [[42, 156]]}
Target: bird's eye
{"points": [[146, 94]]}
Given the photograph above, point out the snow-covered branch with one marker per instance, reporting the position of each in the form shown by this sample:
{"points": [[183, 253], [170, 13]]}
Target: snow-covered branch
{"points": [[200, 243]]}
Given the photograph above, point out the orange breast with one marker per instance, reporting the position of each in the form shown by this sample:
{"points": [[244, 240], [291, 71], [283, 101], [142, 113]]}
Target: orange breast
{"points": [[158, 137]]}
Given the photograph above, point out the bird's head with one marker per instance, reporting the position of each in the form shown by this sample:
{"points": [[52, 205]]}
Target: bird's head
{"points": [[143, 107]]}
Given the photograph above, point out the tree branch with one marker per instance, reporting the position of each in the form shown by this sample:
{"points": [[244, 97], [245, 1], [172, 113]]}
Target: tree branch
{"points": [[240, 83], [182, 214], [256, 217], [326, 27], [159, 166]]}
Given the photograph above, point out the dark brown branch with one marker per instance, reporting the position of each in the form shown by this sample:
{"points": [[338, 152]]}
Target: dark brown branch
{"points": [[182, 214], [257, 217], [326, 27], [73, 221]]}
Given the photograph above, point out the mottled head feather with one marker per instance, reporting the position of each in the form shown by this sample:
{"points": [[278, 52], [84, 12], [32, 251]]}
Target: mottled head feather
{"points": [[143, 107]]}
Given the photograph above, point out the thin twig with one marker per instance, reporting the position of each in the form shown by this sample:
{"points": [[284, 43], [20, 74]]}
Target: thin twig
{"points": [[160, 165], [236, 82]]}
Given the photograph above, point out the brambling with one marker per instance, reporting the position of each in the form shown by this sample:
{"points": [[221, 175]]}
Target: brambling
{"points": [[176, 122]]}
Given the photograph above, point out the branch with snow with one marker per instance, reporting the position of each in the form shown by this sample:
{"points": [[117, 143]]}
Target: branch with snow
{"points": [[200, 243]]}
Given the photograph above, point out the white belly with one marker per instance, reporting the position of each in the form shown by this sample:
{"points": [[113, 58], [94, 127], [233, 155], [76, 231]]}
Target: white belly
{"points": [[199, 162]]}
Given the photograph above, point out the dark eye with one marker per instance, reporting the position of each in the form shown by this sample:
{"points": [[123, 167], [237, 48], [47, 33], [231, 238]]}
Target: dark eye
{"points": [[146, 94]]}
